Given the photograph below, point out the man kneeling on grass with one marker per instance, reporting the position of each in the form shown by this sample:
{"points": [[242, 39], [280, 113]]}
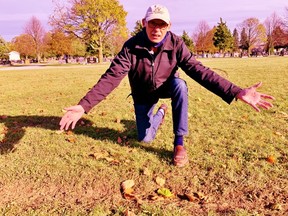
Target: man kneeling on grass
{"points": [[151, 59]]}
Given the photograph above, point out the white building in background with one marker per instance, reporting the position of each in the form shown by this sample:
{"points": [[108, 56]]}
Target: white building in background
{"points": [[14, 56]]}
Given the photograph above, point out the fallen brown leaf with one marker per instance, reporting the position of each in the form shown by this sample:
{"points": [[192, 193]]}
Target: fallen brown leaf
{"points": [[160, 181], [99, 155], [271, 159], [71, 139], [130, 196], [103, 113], [69, 132], [190, 197], [200, 196], [127, 184], [146, 171], [128, 191]]}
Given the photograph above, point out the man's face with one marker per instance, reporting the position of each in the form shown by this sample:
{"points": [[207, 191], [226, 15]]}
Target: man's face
{"points": [[156, 29]]}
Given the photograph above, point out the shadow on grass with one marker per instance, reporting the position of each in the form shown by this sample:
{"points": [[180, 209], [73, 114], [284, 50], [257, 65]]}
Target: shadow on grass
{"points": [[15, 126]]}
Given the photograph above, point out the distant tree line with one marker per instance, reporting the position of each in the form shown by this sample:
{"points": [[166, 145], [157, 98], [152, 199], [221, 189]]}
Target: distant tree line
{"points": [[250, 35], [98, 28]]}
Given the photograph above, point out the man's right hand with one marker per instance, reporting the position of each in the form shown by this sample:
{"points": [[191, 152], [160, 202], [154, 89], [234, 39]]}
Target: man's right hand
{"points": [[72, 115]]}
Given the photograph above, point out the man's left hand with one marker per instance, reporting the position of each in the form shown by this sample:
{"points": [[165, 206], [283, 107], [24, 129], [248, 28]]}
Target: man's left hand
{"points": [[254, 98]]}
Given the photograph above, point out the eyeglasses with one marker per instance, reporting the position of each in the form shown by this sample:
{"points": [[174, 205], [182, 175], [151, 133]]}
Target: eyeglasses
{"points": [[162, 26]]}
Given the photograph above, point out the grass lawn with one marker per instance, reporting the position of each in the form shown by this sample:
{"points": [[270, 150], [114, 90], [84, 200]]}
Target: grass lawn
{"points": [[238, 157]]}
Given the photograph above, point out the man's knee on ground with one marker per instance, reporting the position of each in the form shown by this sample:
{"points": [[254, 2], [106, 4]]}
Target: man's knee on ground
{"points": [[146, 139]]}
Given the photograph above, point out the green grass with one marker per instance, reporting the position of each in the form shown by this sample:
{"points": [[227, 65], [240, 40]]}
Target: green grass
{"points": [[44, 172]]}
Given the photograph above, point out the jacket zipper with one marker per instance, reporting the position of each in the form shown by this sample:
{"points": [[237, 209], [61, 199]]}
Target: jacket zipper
{"points": [[153, 73], [152, 54]]}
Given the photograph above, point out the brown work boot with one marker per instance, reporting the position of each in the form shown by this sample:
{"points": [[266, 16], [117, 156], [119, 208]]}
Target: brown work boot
{"points": [[165, 108], [180, 157]]}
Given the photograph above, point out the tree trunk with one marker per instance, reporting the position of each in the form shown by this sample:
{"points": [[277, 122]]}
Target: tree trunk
{"points": [[249, 51], [100, 53], [38, 58]]}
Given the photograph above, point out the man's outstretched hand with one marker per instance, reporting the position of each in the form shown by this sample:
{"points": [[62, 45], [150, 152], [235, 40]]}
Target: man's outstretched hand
{"points": [[72, 115], [254, 98]]}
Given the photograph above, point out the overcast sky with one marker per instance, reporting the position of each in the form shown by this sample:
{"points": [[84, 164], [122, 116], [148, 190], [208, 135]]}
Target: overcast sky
{"points": [[185, 14]]}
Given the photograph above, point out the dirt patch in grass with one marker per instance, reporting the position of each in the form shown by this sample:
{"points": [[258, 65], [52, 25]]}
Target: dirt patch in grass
{"points": [[75, 194], [85, 193]]}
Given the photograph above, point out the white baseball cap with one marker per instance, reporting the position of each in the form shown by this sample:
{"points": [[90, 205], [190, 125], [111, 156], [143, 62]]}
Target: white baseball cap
{"points": [[157, 12]]}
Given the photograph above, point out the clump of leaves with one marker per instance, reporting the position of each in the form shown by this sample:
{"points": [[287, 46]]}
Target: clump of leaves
{"points": [[271, 159], [165, 192]]}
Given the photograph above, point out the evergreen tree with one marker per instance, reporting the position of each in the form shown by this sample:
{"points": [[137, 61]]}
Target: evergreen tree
{"points": [[138, 27], [188, 41], [244, 40], [236, 40], [222, 39]]}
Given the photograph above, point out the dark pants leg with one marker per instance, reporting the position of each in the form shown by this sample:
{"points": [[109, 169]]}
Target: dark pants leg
{"points": [[148, 123]]}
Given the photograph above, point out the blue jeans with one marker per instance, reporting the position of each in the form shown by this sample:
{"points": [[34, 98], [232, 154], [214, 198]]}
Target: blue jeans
{"points": [[148, 123]]}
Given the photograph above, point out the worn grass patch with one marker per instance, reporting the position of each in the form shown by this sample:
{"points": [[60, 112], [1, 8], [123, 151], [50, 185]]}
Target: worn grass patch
{"points": [[238, 157]]}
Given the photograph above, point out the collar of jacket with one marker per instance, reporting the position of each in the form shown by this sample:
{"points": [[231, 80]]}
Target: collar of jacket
{"points": [[144, 43]]}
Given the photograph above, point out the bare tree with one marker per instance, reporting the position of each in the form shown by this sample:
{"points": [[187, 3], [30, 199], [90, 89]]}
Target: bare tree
{"points": [[272, 23], [36, 31], [202, 37], [286, 19], [255, 33]]}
